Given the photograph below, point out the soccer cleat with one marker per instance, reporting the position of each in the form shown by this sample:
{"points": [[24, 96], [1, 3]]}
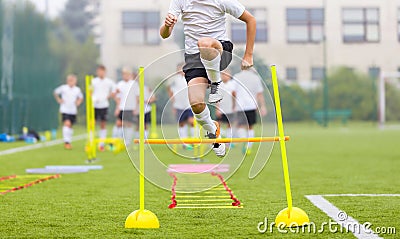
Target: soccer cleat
{"points": [[215, 95], [67, 146], [219, 149]]}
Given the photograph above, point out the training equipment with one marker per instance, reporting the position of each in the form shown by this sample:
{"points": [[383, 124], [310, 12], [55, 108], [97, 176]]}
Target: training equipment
{"points": [[92, 141], [211, 141], [141, 218], [63, 167], [153, 129], [383, 79], [56, 170], [14, 183], [290, 216], [193, 177]]}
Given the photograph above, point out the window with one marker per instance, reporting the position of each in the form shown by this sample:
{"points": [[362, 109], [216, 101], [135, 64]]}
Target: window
{"points": [[374, 72], [305, 25], [361, 25], [238, 28], [140, 28], [317, 73], [291, 73]]}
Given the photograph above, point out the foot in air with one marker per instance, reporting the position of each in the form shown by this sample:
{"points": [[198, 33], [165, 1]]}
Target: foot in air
{"points": [[215, 94], [219, 149]]}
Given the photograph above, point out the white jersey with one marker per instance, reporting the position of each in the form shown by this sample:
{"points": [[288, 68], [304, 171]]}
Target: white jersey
{"points": [[179, 89], [69, 95], [248, 85], [226, 104], [204, 18], [102, 88], [147, 95], [127, 95]]}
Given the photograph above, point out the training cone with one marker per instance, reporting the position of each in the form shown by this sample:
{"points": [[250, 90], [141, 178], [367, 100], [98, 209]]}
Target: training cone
{"points": [[142, 219], [296, 218]]}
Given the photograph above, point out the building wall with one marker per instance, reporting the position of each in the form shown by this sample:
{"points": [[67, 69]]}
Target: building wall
{"points": [[277, 50]]}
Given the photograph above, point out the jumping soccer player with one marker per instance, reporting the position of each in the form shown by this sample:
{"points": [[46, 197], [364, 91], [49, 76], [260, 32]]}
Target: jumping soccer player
{"points": [[69, 96], [103, 90], [208, 51], [178, 93], [126, 104], [249, 98]]}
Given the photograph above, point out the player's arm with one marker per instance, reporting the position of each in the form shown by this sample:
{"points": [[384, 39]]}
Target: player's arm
{"points": [[251, 29], [261, 103], [168, 26], [79, 101], [233, 100], [57, 97]]}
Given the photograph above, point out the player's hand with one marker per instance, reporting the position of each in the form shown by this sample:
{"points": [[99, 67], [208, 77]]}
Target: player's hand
{"points": [[116, 113], [170, 20], [263, 111], [60, 101], [247, 62], [218, 114]]}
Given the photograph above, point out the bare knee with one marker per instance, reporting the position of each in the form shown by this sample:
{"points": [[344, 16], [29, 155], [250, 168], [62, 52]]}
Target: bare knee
{"points": [[205, 42], [197, 108], [119, 123], [68, 123]]}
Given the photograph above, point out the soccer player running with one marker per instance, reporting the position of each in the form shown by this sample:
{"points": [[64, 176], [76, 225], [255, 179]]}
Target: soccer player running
{"points": [[125, 106], [225, 111], [178, 93], [70, 97], [249, 98], [208, 51], [103, 90]]}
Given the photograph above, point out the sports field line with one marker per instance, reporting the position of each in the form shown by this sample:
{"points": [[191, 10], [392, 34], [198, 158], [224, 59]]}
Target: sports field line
{"points": [[347, 222], [39, 145], [361, 195]]}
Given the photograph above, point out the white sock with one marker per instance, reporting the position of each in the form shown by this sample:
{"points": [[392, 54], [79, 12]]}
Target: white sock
{"points": [[183, 132], [67, 134], [204, 119], [229, 132], [128, 135], [241, 133], [115, 132], [146, 133], [251, 135], [213, 68]]}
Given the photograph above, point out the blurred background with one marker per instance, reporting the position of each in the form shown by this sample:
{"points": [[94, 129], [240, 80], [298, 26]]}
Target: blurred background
{"points": [[337, 59]]}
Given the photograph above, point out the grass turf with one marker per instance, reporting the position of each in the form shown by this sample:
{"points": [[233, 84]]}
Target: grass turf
{"points": [[356, 159]]}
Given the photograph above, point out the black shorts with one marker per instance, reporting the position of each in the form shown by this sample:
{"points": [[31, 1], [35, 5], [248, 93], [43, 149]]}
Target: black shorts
{"points": [[183, 115], [194, 68], [227, 118], [71, 118], [248, 117], [127, 115], [147, 117], [101, 114]]}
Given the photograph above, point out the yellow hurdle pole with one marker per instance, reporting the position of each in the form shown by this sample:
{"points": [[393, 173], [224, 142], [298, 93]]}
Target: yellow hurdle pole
{"points": [[92, 119], [154, 133], [88, 118], [281, 138], [141, 138]]}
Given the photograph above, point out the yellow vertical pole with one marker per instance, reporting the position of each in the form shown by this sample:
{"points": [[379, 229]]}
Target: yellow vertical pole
{"points": [[154, 134], [141, 136], [281, 137], [93, 120]]}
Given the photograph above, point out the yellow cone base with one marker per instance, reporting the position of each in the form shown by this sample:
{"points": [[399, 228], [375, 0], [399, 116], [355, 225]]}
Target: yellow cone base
{"points": [[142, 219], [296, 218]]}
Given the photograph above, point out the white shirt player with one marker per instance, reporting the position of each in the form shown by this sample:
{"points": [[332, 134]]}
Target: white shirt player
{"points": [[102, 88], [69, 95], [247, 85], [147, 95], [227, 89], [203, 18], [179, 89], [127, 95]]}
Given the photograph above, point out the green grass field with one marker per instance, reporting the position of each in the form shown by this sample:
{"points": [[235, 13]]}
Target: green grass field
{"points": [[358, 159]]}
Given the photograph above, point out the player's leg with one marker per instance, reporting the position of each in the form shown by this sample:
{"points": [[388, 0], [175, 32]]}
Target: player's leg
{"points": [[210, 55], [128, 130], [147, 121], [197, 91], [190, 122], [67, 131], [117, 129]]}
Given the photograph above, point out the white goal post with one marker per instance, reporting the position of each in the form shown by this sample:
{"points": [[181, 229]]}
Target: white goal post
{"points": [[383, 79]]}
